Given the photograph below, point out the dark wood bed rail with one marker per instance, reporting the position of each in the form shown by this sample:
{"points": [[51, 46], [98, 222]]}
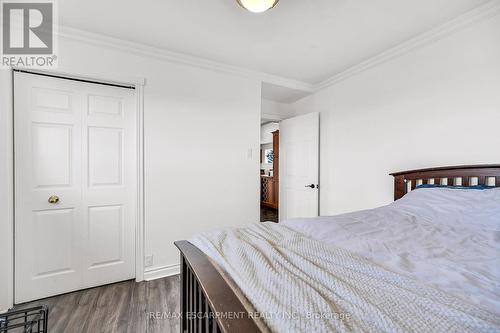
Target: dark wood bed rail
{"points": [[208, 304], [464, 175]]}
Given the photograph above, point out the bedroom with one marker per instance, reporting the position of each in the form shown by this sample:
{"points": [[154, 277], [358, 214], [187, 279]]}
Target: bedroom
{"points": [[396, 85]]}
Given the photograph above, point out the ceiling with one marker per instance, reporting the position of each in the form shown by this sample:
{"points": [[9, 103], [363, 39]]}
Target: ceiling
{"points": [[308, 41]]}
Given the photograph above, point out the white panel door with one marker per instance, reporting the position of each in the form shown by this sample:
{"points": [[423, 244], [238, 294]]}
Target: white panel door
{"points": [[75, 143], [299, 167]]}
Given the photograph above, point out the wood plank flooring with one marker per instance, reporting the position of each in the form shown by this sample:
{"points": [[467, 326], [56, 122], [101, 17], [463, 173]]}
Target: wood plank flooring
{"points": [[122, 307], [268, 214]]}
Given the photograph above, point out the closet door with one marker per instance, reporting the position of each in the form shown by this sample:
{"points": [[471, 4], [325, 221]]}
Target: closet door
{"points": [[109, 193], [75, 185]]}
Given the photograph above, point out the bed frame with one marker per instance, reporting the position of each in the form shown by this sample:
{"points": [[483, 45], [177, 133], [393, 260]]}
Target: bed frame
{"points": [[208, 303], [465, 175]]}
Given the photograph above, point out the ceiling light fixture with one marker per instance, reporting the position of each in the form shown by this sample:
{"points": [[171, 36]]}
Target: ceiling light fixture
{"points": [[257, 6]]}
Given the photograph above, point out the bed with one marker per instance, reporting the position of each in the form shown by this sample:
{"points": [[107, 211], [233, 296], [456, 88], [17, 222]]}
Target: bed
{"points": [[418, 275]]}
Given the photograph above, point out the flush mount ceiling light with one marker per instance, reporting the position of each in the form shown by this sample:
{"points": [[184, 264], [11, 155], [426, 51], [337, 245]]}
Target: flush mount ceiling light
{"points": [[257, 6]]}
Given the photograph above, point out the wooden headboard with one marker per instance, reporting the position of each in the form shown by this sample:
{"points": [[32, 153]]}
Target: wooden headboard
{"points": [[465, 175]]}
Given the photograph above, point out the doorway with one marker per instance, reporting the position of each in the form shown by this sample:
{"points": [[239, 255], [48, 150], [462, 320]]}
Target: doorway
{"points": [[269, 172], [290, 168], [76, 196]]}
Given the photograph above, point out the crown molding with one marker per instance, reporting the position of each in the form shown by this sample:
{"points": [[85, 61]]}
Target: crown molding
{"points": [[178, 58], [487, 10]]}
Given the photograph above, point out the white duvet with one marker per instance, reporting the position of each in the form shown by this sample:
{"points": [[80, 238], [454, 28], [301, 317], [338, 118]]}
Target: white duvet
{"points": [[427, 263], [447, 238]]}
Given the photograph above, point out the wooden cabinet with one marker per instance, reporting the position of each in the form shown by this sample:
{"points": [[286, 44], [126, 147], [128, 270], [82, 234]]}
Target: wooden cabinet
{"points": [[270, 185], [267, 189]]}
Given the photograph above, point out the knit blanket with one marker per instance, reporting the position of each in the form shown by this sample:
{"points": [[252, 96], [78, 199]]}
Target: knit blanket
{"points": [[297, 284]]}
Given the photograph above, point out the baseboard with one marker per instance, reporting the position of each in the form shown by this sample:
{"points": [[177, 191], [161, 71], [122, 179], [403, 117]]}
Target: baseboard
{"points": [[161, 272]]}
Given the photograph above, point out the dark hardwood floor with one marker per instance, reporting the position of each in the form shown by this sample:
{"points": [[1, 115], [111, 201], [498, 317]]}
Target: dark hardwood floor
{"points": [[122, 307], [268, 214]]}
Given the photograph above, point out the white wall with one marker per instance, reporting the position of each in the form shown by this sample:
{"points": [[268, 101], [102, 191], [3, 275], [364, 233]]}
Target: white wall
{"points": [[437, 105], [272, 110], [186, 189]]}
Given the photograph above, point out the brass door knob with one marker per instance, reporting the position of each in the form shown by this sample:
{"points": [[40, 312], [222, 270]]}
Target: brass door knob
{"points": [[53, 199]]}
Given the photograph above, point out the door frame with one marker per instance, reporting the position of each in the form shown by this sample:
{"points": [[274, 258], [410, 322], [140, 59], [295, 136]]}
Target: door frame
{"points": [[138, 84]]}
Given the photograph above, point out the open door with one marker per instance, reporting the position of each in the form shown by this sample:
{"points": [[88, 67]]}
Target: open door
{"points": [[299, 167]]}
